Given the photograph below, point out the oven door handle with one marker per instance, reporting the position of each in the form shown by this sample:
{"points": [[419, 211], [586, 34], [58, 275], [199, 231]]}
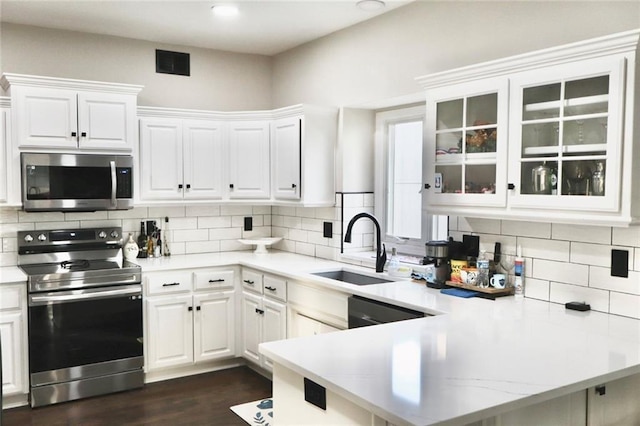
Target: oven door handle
{"points": [[114, 184], [77, 295]]}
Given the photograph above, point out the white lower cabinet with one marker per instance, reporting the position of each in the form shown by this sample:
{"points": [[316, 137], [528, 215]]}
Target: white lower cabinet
{"points": [[264, 314], [302, 325], [13, 332], [190, 318]]}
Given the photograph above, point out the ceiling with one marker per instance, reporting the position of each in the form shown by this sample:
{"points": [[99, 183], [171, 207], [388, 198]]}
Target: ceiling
{"points": [[262, 27]]}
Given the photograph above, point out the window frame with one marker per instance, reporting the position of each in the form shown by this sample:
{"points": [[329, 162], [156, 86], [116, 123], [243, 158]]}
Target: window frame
{"points": [[432, 227]]}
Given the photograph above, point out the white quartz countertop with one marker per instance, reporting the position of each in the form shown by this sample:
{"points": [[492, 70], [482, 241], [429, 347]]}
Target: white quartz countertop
{"points": [[474, 359], [478, 360]]}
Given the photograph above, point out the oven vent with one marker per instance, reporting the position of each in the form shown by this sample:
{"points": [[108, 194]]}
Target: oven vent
{"points": [[168, 62]]}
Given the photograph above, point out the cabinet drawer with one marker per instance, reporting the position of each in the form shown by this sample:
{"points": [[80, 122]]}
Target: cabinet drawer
{"points": [[252, 281], [207, 280], [171, 282], [11, 297], [275, 287]]}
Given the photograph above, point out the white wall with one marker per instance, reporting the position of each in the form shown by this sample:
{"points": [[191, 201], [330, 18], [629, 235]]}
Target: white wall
{"points": [[380, 58], [220, 81]]}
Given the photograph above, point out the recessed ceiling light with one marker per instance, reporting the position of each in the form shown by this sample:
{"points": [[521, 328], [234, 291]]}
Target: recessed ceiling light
{"points": [[370, 5], [225, 10]]}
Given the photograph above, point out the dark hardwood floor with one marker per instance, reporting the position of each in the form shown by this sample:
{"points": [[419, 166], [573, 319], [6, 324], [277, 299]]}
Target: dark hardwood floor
{"points": [[197, 400]]}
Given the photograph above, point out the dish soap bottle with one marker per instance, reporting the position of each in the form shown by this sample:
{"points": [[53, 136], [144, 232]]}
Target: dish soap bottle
{"points": [[483, 270], [394, 264], [130, 249]]}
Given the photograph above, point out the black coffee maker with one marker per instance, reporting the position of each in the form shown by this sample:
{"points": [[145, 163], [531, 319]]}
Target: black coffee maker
{"points": [[439, 253]]}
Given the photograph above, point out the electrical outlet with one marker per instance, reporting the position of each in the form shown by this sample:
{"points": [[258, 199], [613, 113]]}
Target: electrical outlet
{"points": [[327, 229], [248, 223], [315, 394], [620, 263]]}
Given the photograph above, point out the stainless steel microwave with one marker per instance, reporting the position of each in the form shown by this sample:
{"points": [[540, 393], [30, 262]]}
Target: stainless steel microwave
{"points": [[76, 182]]}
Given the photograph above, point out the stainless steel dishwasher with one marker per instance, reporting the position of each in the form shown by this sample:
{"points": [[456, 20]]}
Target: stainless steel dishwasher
{"points": [[364, 312]]}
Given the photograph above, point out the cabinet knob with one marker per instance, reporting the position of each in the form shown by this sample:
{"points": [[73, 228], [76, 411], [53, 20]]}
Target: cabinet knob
{"points": [[259, 311], [231, 186], [188, 186], [198, 308], [511, 186], [601, 390], [83, 134], [180, 186], [293, 185], [427, 186], [190, 308], [74, 134]]}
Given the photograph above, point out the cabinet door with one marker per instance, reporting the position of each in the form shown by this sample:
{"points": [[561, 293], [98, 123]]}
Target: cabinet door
{"points": [[285, 158], [203, 159], [214, 328], [11, 329], [249, 160], [106, 121], [274, 324], [251, 325], [169, 331], [465, 151], [614, 403], [566, 135], [160, 160], [45, 118]]}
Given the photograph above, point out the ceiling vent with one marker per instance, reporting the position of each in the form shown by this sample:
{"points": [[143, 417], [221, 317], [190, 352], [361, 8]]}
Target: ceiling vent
{"points": [[172, 63]]}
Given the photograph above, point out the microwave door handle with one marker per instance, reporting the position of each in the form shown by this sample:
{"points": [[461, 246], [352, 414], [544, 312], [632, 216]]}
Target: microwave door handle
{"points": [[114, 184]]}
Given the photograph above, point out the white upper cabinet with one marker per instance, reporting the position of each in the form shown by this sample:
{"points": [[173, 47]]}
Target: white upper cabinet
{"points": [[50, 113], [466, 144], [203, 159], [303, 146], [285, 159], [561, 121], [4, 145], [249, 159]]}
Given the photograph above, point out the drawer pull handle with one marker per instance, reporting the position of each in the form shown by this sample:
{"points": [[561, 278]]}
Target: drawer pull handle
{"points": [[249, 282], [259, 311], [198, 308], [169, 284], [190, 308], [271, 288], [219, 280]]}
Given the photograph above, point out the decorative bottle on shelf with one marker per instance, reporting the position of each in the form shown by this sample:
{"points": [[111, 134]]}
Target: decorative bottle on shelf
{"points": [[130, 249], [483, 270]]}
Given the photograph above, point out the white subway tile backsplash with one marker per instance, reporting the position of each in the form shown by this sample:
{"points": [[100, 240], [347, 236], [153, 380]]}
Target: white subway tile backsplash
{"points": [[627, 305], [284, 211], [536, 289], [261, 210], [545, 249], [478, 225], [327, 213], [236, 210], [40, 217], [184, 235], [353, 200], [317, 238], [167, 211], [136, 212], [9, 244], [581, 233], [526, 229], [9, 259], [626, 236], [330, 253], [594, 254], [223, 233], [57, 225], [107, 223], [311, 224], [601, 278], [87, 216], [234, 245], [563, 293], [563, 272], [193, 247], [8, 216], [305, 249], [257, 232], [368, 200], [298, 235], [214, 222], [181, 223], [292, 222], [202, 211], [306, 212]]}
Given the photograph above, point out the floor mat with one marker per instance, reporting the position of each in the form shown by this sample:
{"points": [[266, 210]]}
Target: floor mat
{"points": [[259, 413]]}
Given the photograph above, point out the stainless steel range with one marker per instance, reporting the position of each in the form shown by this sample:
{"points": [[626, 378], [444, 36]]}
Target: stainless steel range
{"points": [[85, 314]]}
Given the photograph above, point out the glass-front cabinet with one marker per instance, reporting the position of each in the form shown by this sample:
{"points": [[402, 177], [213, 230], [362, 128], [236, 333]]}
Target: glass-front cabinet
{"points": [[465, 153], [565, 136]]}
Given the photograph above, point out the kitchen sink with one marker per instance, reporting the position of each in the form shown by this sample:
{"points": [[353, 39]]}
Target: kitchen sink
{"points": [[351, 277]]}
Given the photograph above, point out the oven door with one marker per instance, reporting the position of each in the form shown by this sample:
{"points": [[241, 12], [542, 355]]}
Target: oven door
{"points": [[84, 333]]}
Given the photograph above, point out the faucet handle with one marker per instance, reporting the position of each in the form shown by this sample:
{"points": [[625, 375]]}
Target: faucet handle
{"points": [[382, 259]]}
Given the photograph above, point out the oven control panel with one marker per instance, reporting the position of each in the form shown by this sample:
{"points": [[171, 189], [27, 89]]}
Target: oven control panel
{"points": [[68, 238]]}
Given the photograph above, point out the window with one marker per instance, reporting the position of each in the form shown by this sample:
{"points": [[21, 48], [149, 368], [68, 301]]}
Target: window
{"points": [[398, 190]]}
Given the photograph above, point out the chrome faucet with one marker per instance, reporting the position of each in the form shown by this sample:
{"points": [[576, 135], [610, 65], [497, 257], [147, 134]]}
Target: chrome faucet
{"points": [[381, 251]]}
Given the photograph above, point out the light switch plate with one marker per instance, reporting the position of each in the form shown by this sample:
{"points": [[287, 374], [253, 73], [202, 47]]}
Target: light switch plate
{"points": [[620, 263]]}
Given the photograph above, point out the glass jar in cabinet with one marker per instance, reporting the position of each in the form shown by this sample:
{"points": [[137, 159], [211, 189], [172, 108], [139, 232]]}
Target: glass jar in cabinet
{"points": [[565, 134], [465, 153]]}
